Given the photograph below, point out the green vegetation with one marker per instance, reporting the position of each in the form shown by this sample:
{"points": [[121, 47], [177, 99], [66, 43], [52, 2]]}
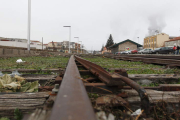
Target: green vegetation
{"points": [[18, 114], [150, 85], [139, 67], [35, 62], [93, 95], [4, 118]]}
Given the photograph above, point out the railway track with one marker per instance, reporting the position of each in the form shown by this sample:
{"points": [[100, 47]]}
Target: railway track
{"points": [[82, 77], [72, 101], [168, 60]]}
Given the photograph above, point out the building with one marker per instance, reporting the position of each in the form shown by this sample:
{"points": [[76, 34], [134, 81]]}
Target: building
{"points": [[156, 41], [104, 50], [124, 45], [172, 42], [64, 46], [20, 43], [34, 44]]}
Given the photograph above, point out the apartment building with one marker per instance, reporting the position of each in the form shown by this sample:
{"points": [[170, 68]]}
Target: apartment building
{"points": [[172, 42], [20, 43], [155, 41]]}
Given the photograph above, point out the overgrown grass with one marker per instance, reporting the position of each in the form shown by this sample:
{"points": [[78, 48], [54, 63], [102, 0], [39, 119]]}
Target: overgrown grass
{"points": [[35, 62], [140, 67]]}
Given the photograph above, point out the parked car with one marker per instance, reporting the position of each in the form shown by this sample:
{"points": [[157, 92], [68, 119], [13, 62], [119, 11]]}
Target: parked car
{"points": [[154, 51], [144, 51], [134, 51], [163, 50], [117, 53], [126, 52]]}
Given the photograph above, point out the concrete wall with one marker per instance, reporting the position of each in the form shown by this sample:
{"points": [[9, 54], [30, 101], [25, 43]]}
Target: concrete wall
{"points": [[15, 51], [26, 51], [21, 52], [161, 38], [171, 43], [1, 51], [122, 47], [8, 51], [32, 52], [19, 44]]}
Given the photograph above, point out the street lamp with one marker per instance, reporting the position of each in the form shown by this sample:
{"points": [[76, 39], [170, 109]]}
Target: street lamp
{"points": [[80, 46], [77, 44], [29, 25], [69, 36]]}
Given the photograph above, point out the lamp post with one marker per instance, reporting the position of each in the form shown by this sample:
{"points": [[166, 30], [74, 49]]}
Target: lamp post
{"points": [[69, 36], [77, 43], [29, 24]]}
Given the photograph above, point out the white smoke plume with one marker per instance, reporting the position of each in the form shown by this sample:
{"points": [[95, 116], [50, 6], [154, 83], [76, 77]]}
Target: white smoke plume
{"points": [[156, 24]]}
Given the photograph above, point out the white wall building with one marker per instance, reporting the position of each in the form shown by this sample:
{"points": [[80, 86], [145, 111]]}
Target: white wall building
{"points": [[22, 43]]}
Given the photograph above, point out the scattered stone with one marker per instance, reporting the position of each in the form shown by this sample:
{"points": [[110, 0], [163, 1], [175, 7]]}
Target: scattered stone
{"points": [[111, 117], [145, 82], [101, 115]]}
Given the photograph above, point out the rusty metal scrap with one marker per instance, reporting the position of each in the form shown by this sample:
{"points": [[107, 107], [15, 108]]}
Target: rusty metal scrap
{"points": [[116, 80]]}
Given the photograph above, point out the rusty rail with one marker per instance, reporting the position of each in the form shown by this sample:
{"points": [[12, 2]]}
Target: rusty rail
{"points": [[115, 80], [72, 102], [157, 59]]}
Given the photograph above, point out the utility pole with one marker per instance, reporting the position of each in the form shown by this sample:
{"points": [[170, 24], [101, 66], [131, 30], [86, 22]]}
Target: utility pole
{"points": [[29, 25]]}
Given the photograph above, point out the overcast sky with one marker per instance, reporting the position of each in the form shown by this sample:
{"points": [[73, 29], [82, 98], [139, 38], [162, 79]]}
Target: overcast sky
{"points": [[91, 20]]}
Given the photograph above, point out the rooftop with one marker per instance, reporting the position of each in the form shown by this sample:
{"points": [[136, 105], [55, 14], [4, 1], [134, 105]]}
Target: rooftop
{"points": [[115, 45]]}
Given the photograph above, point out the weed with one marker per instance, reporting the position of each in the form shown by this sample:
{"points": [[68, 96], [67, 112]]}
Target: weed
{"points": [[18, 114], [93, 95]]}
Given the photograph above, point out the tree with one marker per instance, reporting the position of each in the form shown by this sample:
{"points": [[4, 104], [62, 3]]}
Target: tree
{"points": [[109, 42]]}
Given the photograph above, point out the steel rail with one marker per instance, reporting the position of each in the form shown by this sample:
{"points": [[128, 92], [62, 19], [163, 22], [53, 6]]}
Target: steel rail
{"points": [[157, 60], [117, 79], [72, 102], [153, 56]]}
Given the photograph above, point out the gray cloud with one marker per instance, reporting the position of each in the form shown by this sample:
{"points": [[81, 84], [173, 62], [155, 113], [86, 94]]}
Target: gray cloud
{"points": [[91, 20]]}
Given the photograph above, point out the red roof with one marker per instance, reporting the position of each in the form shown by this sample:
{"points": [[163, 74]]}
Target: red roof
{"points": [[4, 40], [174, 39], [34, 41]]}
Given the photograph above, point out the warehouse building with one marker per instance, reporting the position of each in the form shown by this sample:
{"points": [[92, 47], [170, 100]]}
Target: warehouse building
{"points": [[124, 45]]}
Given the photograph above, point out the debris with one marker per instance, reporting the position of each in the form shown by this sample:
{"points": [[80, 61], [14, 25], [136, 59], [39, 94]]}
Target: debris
{"points": [[101, 115], [15, 72], [17, 84], [1, 74], [111, 99], [20, 61], [137, 112]]}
